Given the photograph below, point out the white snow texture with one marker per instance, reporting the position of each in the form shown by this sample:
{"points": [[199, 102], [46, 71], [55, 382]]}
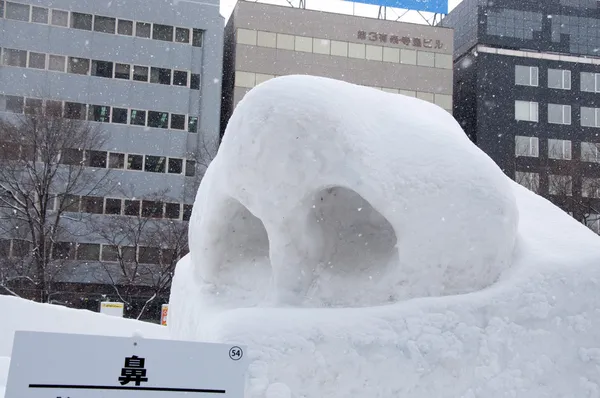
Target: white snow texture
{"points": [[434, 274]]}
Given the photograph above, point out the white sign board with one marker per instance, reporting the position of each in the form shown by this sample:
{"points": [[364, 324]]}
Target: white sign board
{"points": [[53, 365], [112, 308]]}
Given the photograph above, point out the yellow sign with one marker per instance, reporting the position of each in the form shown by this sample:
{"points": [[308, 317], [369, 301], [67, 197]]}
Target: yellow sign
{"points": [[112, 305]]}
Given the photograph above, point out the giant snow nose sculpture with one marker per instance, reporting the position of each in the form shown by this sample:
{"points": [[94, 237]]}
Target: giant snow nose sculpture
{"points": [[320, 185]]}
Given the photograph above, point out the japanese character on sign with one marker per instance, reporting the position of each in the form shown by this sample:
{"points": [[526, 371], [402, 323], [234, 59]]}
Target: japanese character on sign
{"points": [[373, 36], [427, 43], [405, 40], [383, 38], [362, 35], [133, 371], [438, 44], [394, 39], [416, 42]]}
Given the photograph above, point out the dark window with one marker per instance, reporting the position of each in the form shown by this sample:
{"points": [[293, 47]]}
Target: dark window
{"points": [[33, 106], [116, 160], [162, 32], [9, 150], [138, 118], [79, 66], [37, 60], [187, 212], [190, 168], [113, 206], [20, 248], [12, 57], [132, 208], [192, 124], [175, 166], [180, 78], [54, 108], [178, 122], [88, 252], [119, 115], [160, 75], [4, 243], [182, 35], [197, 38], [81, 21], [169, 256], [135, 162], [92, 204], [97, 159], [110, 253], [104, 24], [99, 113], [71, 203], [16, 11], [56, 63], [195, 81], [39, 15], [140, 73], [102, 69], [172, 210], [71, 156], [142, 29], [149, 255], [61, 251], [122, 71], [60, 18], [158, 119], [74, 110], [125, 27], [152, 209], [14, 104], [155, 164], [27, 152], [128, 254]]}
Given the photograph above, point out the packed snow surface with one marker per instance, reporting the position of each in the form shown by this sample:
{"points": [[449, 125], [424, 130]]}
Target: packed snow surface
{"points": [[440, 276]]}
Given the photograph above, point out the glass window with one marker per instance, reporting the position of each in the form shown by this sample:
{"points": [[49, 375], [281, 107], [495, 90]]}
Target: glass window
{"points": [[123, 71], [162, 32], [559, 114], [160, 76], [190, 168], [102, 69], [304, 44], [96, 159], [527, 111], [81, 21], [195, 81], [149, 255], [12, 57], [530, 181], [135, 162], [37, 60], [92, 204], [104, 24], [71, 203], [246, 36], [182, 35], [119, 115], [74, 110], [61, 250], [71, 156], [125, 27], [143, 29], [180, 78], [88, 251], [526, 75], [527, 146], [60, 18], [590, 82], [140, 73], [33, 105], [338, 48], [16, 11], [138, 118], [177, 122], [560, 185], [425, 58], [132, 208], [172, 210], [99, 113], [152, 209], [559, 149], [116, 160], [175, 166], [590, 117], [56, 63], [593, 222], [54, 108], [158, 119], [187, 212], [14, 104], [590, 187], [20, 248], [113, 206], [589, 152], [39, 15], [155, 164], [80, 66], [192, 124], [560, 79], [197, 38]]}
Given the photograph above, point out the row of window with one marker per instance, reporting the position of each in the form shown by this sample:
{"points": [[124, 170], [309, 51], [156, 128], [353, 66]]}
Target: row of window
{"points": [[100, 23], [557, 149], [101, 113], [557, 78], [559, 185], [98, 68], [127, 207], [557, 114], [17, 248], [251, 79], [343, 49]]}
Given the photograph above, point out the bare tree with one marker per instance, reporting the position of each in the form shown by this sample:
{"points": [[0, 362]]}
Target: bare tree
{"points": [[44, 159]]}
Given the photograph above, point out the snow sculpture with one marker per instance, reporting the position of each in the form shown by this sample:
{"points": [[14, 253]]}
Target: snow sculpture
{"points": [[441, 276]]}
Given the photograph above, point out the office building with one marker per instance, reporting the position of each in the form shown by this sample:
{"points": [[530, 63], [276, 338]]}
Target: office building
{"points": [[263, 41], [526, 90]]}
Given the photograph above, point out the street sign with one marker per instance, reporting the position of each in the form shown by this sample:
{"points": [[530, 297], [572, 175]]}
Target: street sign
{"points": [[112, 308], [56, 365], [437, 6]]}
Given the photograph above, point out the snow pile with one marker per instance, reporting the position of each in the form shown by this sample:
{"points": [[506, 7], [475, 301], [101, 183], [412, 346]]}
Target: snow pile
{"points": [[328, 194]]}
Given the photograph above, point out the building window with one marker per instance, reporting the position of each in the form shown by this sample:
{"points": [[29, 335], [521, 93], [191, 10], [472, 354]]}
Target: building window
{"points": [[71, 203], [560, 185], [12, 57], [527, 146], [559, 149], [57, 63], [149, 255], [135, 162], [99, 113], [195, 81], [116, 160], [14, 104], [152, 209], [104, 24], [172, 210], [119, 115], [140, 73], [182, 35], [88, 251], [102, 69], [138, 118], [559, 114], [80, 66], [589, 152], [92, 204], [526, 75], [526, 111], [155, 164], [37, 60], [560, 79], [132, 208], [61, 251], [75, 110], [246, 36], [180, 78], [286, 42], [158, 119], [593, 222], [96, 159], [59, 18], [39, 15], [81, 21], [160, 76], [590, 82], [590, 187], [71, 156], [162, 32], [590, 117], [530, 181], [16, 11], [122, 71], [143, 29], [113, 206], [125, 27], [175, 166], [197, 38], [32, 105], [192, 124], [190, 168], [187, 212], [177, 122]]}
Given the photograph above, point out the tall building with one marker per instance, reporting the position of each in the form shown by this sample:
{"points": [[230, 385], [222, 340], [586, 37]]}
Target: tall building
{"points": [[148, 72], [263, 41], [526, 90]]}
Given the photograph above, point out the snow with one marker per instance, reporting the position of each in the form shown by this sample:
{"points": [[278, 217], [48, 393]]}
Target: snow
{"points": [[440, 276]]}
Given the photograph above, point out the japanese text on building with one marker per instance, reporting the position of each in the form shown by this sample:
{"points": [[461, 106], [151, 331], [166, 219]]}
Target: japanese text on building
{"points": [[400, 40]]}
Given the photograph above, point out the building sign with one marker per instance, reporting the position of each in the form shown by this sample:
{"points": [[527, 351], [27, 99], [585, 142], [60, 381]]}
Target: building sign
{"points": [[164, 312], [436, 6], [56, 365], [112, 308], [407, 41]]}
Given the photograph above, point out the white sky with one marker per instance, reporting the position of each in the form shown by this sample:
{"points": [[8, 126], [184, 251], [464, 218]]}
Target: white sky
{"points": [[344, 7]]}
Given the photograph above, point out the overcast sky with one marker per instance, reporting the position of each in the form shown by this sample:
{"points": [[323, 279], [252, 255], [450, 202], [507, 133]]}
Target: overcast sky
{"points": [[344, 7]]}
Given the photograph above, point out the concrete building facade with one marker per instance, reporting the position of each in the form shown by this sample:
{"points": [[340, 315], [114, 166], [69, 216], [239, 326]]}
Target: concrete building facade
{"points": [[263, 41]]}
